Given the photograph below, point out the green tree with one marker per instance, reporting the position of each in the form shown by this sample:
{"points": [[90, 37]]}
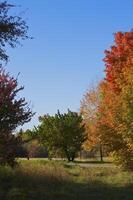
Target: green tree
{"points": [[62, 132]]}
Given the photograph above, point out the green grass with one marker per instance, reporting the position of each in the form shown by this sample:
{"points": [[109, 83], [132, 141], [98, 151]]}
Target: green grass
{"points": [[39, 179]]}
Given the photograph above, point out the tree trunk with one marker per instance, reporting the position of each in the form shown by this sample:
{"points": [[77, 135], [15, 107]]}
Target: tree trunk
{"points": [[68, 157], [101, 152]]}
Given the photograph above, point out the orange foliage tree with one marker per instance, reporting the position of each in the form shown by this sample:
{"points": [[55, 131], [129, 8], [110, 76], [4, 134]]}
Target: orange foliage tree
{"points": [[89, 110], [112, 114], [116, 107]]}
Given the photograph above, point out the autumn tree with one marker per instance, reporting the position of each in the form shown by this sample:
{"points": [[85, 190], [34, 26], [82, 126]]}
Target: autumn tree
{"points": [[89, 110], [12, 29], [14, 112], [116, 109], [62, 132]]}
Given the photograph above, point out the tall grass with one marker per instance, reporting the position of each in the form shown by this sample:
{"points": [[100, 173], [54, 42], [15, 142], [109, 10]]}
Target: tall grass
{"points": [[40, 180]]}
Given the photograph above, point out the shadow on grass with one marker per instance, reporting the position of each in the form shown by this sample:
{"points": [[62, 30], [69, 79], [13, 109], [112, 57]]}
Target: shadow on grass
{"points": [[92, 162], [20, 185]]}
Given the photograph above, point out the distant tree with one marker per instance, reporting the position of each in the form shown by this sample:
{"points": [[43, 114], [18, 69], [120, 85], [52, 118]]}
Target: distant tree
{"points": [[62, 132], [12, 29], [89, 110], [35, 149], [30, 146], [14, 111], [22, 150]]}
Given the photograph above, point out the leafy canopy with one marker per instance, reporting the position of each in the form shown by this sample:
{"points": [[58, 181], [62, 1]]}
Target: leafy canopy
{"points": [[62, 132], [12, 29], [14, 111]]}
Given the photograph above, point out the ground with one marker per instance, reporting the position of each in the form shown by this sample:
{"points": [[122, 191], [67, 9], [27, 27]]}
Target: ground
{"points": [[39, 179]]}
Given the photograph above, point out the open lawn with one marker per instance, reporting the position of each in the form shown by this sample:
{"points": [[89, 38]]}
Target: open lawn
{"points": [[39, 179]]}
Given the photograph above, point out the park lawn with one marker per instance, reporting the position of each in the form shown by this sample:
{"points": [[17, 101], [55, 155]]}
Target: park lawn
{"points": [[39, 179]]}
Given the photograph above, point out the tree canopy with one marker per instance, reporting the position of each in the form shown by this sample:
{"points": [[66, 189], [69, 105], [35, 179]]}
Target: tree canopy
{"points": [[12, 29], [114, 114], [62, 132], [14, 111]]}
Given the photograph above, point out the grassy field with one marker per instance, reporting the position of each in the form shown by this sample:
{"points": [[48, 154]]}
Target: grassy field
{"points": [[43, 180]]}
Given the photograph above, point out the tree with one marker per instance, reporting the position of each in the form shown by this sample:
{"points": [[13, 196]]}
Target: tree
{"points": [[118, 60], [14, 111], [116, 108], [89, 110], [30, 147], [12, 29], [62, 132], [47, 134]]}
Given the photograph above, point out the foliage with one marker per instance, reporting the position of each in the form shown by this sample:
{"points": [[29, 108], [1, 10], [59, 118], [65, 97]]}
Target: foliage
{"points": [[30, 147], [118, 60], [109, 117], [116, 109], [63, 133], [12, 29], [14, 111], [89, 110]]}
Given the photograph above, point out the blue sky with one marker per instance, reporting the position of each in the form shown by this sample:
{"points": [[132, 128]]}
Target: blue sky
{"points": [[65, 56]]}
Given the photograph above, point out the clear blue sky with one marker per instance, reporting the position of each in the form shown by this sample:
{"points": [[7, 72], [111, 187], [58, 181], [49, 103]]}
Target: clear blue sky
{"points": [[65, 56]]}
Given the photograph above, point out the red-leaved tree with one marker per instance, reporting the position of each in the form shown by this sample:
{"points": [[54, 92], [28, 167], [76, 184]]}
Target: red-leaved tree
{"points": [[14, 111]]}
